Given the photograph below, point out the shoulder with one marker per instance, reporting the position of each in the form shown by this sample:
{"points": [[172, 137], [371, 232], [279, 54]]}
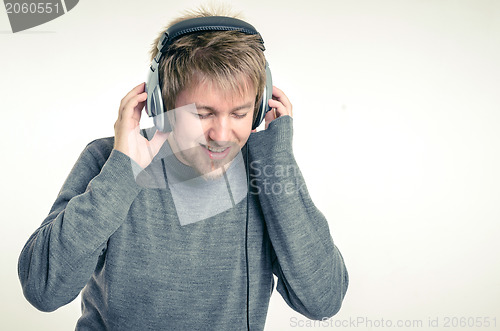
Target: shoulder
{"points": [[99, 149]]}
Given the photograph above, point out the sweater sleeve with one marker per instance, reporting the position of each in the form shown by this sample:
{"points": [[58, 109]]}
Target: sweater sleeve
{"points": [[312, 277], [61, 255]]}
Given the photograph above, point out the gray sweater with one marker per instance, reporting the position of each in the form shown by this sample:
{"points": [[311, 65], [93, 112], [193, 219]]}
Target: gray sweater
{"points": [[123, 243]]}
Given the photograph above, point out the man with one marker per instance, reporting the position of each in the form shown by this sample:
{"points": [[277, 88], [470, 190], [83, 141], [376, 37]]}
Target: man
{"points": [[183, 228]]}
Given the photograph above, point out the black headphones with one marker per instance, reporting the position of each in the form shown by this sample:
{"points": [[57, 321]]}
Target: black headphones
{"points": [[154, 104]]}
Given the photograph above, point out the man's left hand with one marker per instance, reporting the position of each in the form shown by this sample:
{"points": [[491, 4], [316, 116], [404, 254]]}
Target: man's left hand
{"points": [[280, 106]]}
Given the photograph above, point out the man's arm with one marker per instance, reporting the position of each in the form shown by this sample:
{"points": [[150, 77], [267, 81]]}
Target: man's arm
{"points": [[59, 258], [312, 277]]}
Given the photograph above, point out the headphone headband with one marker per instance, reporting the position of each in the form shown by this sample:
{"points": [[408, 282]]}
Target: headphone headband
{"points": [[201, 24]]}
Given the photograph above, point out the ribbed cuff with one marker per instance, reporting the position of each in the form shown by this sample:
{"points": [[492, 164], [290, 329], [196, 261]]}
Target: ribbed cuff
{"points": [[277, 138]]}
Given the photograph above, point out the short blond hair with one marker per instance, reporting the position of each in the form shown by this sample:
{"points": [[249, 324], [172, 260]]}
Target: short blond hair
{"points": [[231, 60]]}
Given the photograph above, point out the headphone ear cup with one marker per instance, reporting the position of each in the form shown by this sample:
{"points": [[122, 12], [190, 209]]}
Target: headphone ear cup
{"points": [[266, 96], [152, 84], [162, 122], [154, 103]]}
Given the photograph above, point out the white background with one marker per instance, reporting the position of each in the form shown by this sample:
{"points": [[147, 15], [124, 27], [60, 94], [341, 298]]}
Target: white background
{"points": [[396, 115]]}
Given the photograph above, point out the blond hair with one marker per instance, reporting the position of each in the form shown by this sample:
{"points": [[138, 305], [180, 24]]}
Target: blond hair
{"points": [[231, 60]]}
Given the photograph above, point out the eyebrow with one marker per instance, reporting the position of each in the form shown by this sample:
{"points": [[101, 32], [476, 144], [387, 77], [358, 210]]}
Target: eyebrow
{"points": [[212, 109]]}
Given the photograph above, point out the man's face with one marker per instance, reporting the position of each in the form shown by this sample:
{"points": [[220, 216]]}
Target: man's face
{"points": [[208, 134]]}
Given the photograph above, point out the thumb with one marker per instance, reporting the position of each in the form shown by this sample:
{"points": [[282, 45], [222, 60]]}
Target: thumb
{"points": [[158, 140], [270, 116]]}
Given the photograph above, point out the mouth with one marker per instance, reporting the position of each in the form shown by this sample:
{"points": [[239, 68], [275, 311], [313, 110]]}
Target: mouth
{"points": [[216, 153]]}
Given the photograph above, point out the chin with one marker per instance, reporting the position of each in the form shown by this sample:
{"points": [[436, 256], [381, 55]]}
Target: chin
{"points": [[213, 175], [214, 171]]}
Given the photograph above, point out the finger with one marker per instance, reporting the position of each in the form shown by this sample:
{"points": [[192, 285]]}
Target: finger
{"points": [[132, 109], [281, 110], [135, 91], [157, 141], [280, 96]]}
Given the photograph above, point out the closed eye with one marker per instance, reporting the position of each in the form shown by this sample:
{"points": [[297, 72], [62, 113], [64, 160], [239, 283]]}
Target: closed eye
{"points": [[239, 116], [202, 116]]}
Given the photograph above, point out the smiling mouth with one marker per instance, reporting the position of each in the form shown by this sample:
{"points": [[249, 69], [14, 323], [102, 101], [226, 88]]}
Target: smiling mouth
{"points": [[216, 153]]}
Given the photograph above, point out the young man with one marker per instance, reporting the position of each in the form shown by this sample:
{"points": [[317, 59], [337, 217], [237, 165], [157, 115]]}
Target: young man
{"points": [[184, 229]]}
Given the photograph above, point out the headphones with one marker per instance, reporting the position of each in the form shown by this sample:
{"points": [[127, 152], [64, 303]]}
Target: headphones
{"points": [[154, 105]]}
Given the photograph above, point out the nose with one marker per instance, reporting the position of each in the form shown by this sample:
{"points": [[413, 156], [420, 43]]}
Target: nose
{"points": [[220, 130]]}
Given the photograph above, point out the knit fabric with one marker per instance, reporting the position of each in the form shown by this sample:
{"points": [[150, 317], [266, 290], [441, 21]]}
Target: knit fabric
{"points": [[141, 268]]}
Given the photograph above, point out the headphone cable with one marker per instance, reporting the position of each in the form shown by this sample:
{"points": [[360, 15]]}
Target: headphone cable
{"points": [[246, 241]]}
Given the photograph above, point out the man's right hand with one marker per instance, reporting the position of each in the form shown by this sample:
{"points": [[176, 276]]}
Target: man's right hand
{"points": [[128, 138]]}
